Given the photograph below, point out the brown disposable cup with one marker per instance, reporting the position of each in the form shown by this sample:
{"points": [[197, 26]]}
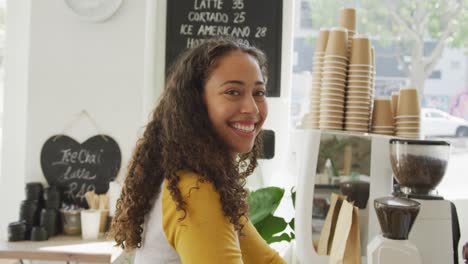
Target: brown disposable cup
{"points": [[394, 103], [333, 89], [404, 131], [335, 63], [333, 79], [336, 57], [357, 116], [361, 120], [338, 70], [351, 108], [382, 112], [359, 77], [331, 107], [359, 82], [348, 18], [359, 95], [331, 117], [330, 122], [339, 74], [408, 102], [333, 76], [389, 133], [408, 126], [407, 123], [337, 42], [360, 50], [361, 67], [356, 127], [357, 103], [322, 40], [333, 96], [333, 84], [333, 92], [352, 71], [362, 88], [362, 93], [356, 113], [355, 98], [332, 101]]}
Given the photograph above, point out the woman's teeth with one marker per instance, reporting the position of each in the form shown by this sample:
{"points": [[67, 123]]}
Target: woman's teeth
{"points": [[245, 128]]}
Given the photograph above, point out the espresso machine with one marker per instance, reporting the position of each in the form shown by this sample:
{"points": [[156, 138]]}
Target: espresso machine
{"points": [[418, 167]]}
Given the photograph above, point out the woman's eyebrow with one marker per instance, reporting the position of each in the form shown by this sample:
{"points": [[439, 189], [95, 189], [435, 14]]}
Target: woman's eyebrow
{"points": [[240, 82], [232, 82]]}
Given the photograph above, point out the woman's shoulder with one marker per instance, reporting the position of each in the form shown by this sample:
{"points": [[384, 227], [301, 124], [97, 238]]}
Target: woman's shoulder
{"points": [[190, 181]]}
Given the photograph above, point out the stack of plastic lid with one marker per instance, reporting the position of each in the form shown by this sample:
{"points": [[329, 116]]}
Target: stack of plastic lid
{"points": [[49, 220], [332, 93], [34, 191], [358, 94], [52, 198], [372, 88], [311, 119], [29, 214], [39, 233], [17, 231]]}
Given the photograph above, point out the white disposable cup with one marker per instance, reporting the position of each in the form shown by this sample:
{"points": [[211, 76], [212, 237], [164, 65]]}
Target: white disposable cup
{"points": [[90, 222]]}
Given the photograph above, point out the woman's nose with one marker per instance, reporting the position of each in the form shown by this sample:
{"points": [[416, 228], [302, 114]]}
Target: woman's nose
{"points": [[249, 105]]}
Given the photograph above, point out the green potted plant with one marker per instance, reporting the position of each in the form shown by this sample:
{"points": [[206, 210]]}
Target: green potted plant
{"points": [[263, 204]]}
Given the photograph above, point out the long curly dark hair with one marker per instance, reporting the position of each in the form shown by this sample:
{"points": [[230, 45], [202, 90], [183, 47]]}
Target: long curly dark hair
{"points": [[181, 136]]}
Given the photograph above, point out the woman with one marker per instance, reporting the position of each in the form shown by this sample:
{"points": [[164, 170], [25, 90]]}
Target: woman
{"points": [[183, 199]]}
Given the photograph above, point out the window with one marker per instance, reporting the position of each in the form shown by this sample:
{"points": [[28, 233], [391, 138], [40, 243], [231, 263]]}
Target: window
{"points": [[2, 65], [429, 54]]}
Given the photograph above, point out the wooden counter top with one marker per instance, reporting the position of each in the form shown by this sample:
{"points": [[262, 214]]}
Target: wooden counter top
{"points": [[63, 248]]}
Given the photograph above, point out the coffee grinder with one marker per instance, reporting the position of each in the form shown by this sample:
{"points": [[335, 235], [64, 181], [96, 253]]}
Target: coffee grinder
{"points": [[396, 216], [418, 167]]}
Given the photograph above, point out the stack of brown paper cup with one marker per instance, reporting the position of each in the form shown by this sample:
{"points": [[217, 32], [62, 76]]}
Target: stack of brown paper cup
{"points": [[382, 117], [408, 113], [372, 88], [395, 103], [348, 21], [311, 119], [333, 82], [359, 83]]}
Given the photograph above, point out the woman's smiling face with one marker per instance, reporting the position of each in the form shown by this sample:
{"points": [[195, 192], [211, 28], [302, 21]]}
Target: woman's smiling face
{"points": [[234, 95]]}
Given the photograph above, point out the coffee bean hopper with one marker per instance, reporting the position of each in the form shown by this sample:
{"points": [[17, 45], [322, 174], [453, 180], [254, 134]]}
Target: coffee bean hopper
{"points": [[418, 168]]}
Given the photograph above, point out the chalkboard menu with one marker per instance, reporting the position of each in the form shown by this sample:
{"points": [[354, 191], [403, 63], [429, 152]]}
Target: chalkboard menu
{"points": [[257, 22], [78, 168]]}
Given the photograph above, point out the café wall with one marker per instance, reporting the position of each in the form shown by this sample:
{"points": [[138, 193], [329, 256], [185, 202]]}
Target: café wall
{"points": [[58, 65]]}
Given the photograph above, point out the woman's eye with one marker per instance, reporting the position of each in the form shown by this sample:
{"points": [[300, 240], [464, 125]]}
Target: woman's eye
{"points": [[260, 93], [232, 92]]}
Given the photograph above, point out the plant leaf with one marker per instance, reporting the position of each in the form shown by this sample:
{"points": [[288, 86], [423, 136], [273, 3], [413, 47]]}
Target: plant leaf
{"points": [[270, 226], [263, 202], [291, 224], [293, 196], [282, 237]]}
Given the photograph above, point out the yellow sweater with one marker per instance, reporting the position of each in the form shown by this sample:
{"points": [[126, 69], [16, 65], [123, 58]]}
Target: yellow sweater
{"points": [[205, 236]]}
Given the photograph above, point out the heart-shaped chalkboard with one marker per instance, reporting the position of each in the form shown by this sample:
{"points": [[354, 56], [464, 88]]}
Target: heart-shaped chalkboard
{"points": [[78, 168]]}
